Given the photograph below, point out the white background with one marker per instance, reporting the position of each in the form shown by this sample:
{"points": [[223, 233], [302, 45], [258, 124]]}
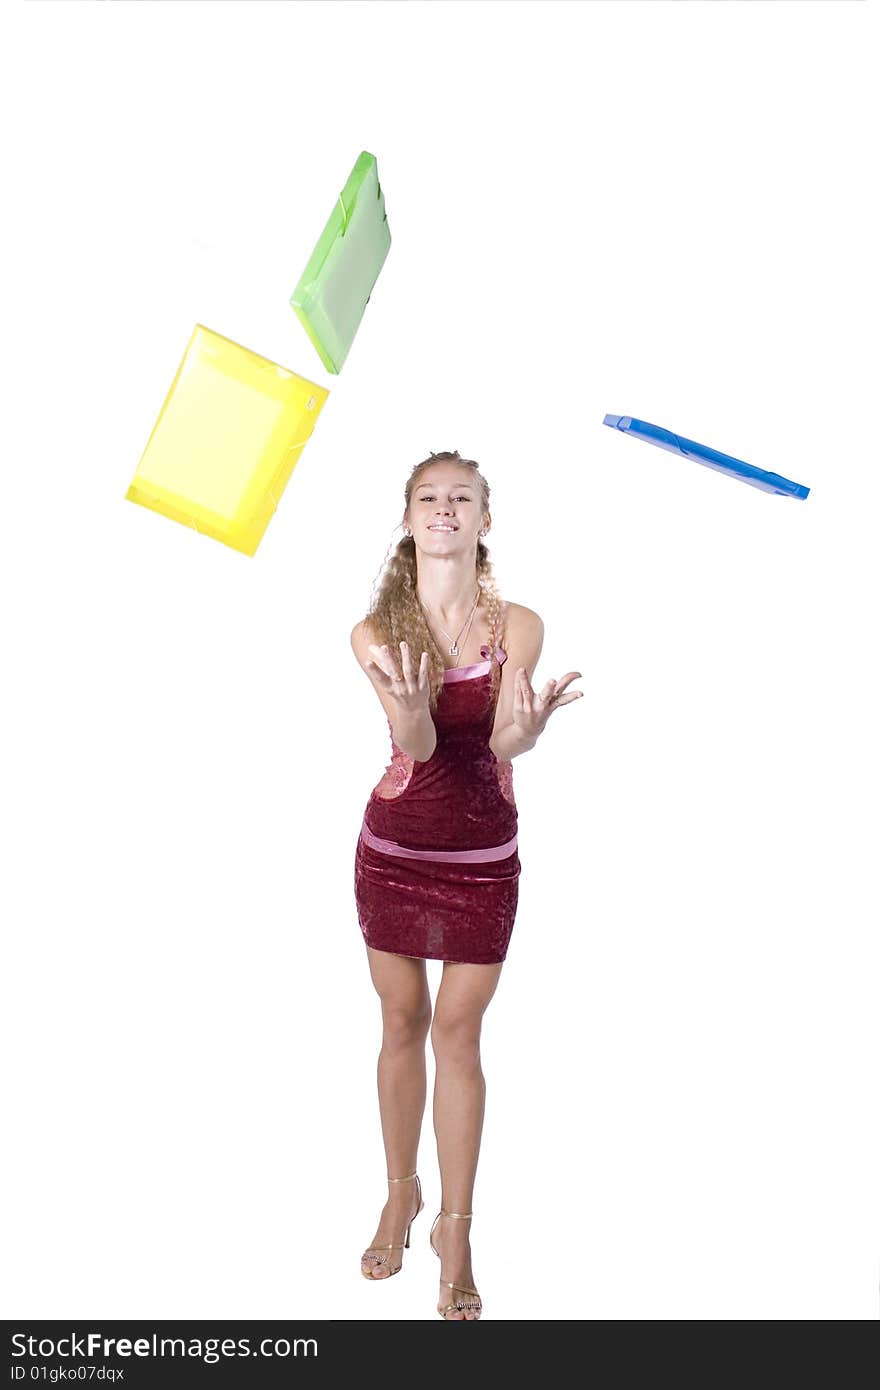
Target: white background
{"points": [[663, 210]]}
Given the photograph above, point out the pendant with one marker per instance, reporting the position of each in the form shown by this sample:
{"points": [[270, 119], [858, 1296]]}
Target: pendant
{"points": [[453, 650]]}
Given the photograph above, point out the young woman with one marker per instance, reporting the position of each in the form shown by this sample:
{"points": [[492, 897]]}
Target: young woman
{"points": [[436, 865]]}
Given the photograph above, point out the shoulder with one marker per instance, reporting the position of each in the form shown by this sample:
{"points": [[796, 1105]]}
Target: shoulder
{"points": [[523, 622], [362, 634], [523, 637]]}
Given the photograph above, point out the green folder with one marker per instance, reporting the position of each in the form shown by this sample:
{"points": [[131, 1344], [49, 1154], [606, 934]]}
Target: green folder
{"points": [[336, 284]]}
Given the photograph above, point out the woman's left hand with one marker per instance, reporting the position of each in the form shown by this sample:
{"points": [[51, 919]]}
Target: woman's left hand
{"points": [[531, 710]]}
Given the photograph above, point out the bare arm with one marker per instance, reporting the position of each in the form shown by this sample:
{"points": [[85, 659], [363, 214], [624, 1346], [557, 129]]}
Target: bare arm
{"points": [[509, 742], [413, 731], [525, 638], [416, 734], [522, 713]]}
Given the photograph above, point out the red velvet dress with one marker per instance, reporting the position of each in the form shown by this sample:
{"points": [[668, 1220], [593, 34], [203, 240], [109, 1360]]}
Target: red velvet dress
{"points": [[436, 867]]}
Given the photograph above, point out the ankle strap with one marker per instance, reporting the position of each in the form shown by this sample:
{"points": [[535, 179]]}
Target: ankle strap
{"points": [[462, 1215], [406, 1179]]}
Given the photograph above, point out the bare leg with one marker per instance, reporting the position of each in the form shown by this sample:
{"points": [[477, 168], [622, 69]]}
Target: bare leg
{"points": [[402, 985], [459, 1106]]}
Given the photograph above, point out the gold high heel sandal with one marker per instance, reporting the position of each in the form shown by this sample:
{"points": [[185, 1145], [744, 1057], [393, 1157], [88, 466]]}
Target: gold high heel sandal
{"points": [[463, 1288], [383, 1259]]}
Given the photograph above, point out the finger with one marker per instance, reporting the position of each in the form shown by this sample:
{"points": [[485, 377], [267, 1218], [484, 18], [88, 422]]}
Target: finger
{"points": [[567, 699], [567, 680], [405, 663], [388, 664], [378, 675], [525, 688], [549, 691], [380, 657]]}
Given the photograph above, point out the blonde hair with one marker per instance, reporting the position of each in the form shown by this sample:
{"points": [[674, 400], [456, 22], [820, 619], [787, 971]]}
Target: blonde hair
{"points": [[395, 613]]}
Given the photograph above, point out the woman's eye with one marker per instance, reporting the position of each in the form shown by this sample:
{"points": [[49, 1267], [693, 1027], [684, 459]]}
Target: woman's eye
{"points": [[455, 499]]}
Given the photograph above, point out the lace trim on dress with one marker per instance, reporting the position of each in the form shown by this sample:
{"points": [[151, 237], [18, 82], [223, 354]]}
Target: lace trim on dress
{"points": [[504, 774], [397, 775]]}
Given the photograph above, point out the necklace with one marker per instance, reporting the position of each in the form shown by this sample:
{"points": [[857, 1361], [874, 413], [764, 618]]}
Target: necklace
{"points": [[455, 650]]}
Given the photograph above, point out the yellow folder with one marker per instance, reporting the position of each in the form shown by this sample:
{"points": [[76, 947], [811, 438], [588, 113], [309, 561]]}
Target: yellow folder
{"points": [[227, 439]]}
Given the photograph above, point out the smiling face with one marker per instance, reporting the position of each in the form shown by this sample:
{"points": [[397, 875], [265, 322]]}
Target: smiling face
{"points": [[444, 511]]}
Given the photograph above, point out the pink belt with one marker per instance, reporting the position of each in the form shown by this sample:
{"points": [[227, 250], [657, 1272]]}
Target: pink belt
{"points": [[451, 856]]}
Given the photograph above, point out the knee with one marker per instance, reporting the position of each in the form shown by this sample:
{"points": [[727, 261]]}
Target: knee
{"points": [[456, 1038], [402, 1026]]}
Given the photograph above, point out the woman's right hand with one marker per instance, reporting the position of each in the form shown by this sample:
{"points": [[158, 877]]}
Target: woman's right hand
{"points": [[411, 689]]}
